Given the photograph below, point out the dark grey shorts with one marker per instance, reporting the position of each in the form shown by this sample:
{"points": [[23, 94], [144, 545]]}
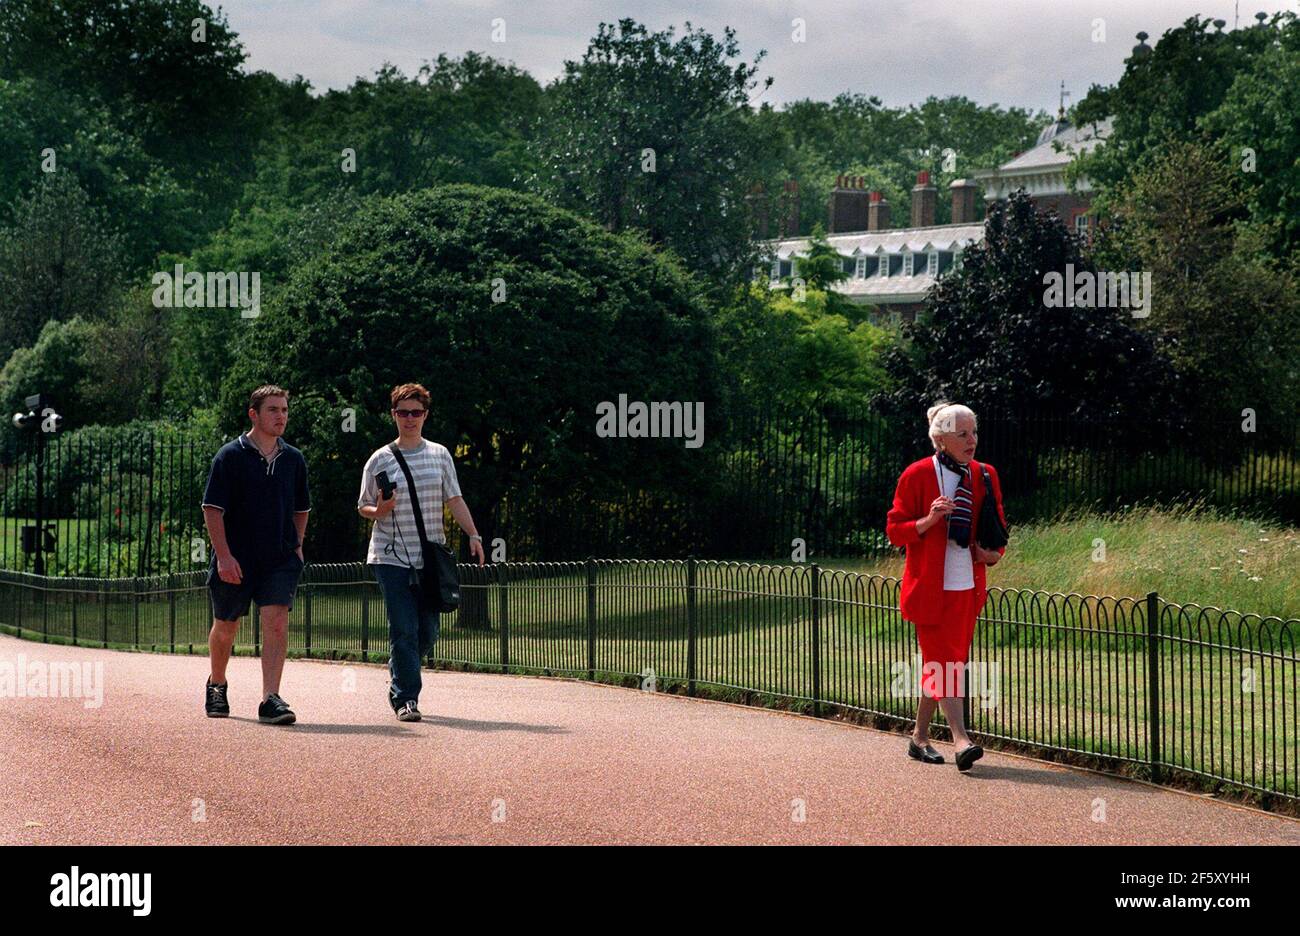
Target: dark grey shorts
{"points": [[274, 585]]}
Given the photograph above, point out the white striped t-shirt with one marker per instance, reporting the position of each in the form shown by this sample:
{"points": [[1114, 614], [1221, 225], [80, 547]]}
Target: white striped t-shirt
{"points": [[394, 540]]}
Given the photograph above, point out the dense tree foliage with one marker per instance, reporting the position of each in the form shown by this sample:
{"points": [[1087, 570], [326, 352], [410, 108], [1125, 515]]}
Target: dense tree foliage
{"points": [[519, 317], [1199, 80], [988, 337]]}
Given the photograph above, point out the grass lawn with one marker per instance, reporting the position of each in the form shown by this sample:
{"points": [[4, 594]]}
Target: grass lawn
{"points": [[1190, 554]]}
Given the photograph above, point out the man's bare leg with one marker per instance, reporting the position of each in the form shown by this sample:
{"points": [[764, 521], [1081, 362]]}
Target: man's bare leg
{"points": [[275, 643], [221, 642]]}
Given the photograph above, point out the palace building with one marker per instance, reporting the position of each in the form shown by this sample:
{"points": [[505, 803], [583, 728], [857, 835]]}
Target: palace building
{"points": [[892, 268]]}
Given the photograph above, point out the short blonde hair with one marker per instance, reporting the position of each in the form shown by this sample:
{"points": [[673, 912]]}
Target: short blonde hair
{"points": [[942, 418]]}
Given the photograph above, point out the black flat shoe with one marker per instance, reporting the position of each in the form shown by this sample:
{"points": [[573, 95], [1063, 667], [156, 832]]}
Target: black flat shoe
{"points": [[927, 754], [968, 756]]}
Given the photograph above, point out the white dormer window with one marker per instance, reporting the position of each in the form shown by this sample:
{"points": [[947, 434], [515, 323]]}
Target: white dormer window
{"points": [[860, 269], [956, 260], [932, 263], [794, 266], [883, 268], [776, 269], [907, 264]]}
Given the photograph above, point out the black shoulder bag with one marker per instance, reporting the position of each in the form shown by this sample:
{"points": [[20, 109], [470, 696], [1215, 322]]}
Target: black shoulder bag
{"points": [[991, 533], [438, 580]]}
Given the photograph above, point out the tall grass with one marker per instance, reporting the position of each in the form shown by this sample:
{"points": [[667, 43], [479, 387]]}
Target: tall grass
{"points": [[1189, 553]]}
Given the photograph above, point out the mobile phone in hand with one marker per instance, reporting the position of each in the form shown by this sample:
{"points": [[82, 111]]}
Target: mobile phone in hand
{"points": [[386, 487]]}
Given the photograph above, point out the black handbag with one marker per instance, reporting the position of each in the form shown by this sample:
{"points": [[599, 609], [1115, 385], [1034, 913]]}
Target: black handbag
{"points": [[439, 582], [991, 533]]}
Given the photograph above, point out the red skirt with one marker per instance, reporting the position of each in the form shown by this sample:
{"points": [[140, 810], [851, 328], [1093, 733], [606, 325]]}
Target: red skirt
{"points": [[945, 644]]}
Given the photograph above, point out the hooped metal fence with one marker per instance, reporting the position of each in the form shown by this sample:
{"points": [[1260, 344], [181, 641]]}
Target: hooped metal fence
{"points": [[1164, 690]]}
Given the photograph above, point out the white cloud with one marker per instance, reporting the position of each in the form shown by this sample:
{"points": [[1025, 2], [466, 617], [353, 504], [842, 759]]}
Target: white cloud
{"points": [[1009, 52]]}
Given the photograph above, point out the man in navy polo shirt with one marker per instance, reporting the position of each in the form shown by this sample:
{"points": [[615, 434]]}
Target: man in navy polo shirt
{"points": [[255, 507]]}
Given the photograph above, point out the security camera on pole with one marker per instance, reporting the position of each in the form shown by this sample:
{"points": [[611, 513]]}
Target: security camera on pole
{"points": [[40, 416]]}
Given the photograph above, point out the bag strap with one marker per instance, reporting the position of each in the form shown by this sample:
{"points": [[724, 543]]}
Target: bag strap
{"points": [[410, 487]]}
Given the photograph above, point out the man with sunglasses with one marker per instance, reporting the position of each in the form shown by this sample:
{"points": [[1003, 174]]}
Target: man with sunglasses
{"points": [[395, 552]]}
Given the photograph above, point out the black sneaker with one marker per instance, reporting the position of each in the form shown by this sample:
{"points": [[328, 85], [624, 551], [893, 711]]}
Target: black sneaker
{"points": [[407, 711], [274, 711], [216, 704]]}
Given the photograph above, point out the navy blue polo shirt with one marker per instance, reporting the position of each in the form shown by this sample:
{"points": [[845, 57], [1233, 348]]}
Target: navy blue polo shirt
{"points": [[258, 497]]}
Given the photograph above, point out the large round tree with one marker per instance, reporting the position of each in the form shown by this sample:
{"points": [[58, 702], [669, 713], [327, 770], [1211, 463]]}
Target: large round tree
{"points": [[518, 317]]}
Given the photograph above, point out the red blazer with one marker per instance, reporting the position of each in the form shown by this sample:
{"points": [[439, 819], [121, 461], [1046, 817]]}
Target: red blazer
{"points": [[921, 596]]}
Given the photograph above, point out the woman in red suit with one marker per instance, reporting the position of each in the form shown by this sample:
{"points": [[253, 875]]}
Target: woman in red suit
{"points": [[936, 508]]}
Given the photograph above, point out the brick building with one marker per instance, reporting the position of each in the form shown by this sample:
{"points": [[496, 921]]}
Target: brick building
{"points": [[892, 268]]}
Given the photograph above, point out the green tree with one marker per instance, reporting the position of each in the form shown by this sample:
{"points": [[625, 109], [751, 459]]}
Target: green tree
{"points": [[1197, 79], [406, 292], [986, 336], [43, 125], [58, 260], [145, 62], [1224, 312], [272, 240], [636, 91], [797, 354], [455, 120], [1257, 121], [127, 360], [56, 365]]}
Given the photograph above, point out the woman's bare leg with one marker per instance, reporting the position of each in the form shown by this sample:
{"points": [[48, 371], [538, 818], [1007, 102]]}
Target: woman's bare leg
{"points": [[925, 710], [952, 711]]}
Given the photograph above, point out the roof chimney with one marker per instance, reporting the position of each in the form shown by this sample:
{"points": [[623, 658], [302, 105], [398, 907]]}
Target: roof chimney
{"points": [[963, 201], [877, 212], [925, 198], [848, 205]]}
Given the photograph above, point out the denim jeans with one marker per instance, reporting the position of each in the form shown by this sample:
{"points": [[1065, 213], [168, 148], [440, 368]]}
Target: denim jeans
{"points": [[412, 631]]}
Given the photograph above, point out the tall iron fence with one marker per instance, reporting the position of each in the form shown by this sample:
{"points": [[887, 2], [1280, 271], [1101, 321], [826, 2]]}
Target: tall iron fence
{"points": [[1164, 690], [113, 505]]}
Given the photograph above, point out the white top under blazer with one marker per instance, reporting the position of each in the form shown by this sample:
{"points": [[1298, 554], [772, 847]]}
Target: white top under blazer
{"points": [[958, 567]]}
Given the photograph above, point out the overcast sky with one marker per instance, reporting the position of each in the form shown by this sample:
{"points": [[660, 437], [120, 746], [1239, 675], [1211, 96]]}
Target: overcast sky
{"points": [[1008, 52]]}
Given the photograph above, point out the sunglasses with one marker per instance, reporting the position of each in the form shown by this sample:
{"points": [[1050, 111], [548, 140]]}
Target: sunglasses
{"points": [[409, 413]]}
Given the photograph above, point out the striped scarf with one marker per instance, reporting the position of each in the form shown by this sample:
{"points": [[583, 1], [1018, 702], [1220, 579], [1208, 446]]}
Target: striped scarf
{"points": [[959, 519]]}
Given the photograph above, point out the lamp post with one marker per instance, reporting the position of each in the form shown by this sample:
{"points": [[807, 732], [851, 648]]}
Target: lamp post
{"points": [[41, 417]]}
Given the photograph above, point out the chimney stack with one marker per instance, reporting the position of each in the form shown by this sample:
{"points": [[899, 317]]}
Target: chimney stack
{"points": [[848, 205], [925, 198], [877, 213], [790, 209], [963, 201]]}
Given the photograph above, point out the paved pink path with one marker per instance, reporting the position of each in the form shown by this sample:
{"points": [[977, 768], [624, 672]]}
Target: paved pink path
{"points": [[554, 761]]}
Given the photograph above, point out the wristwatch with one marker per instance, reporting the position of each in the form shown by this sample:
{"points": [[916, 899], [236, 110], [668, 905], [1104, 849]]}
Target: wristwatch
{"points": [[475, 536]]}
